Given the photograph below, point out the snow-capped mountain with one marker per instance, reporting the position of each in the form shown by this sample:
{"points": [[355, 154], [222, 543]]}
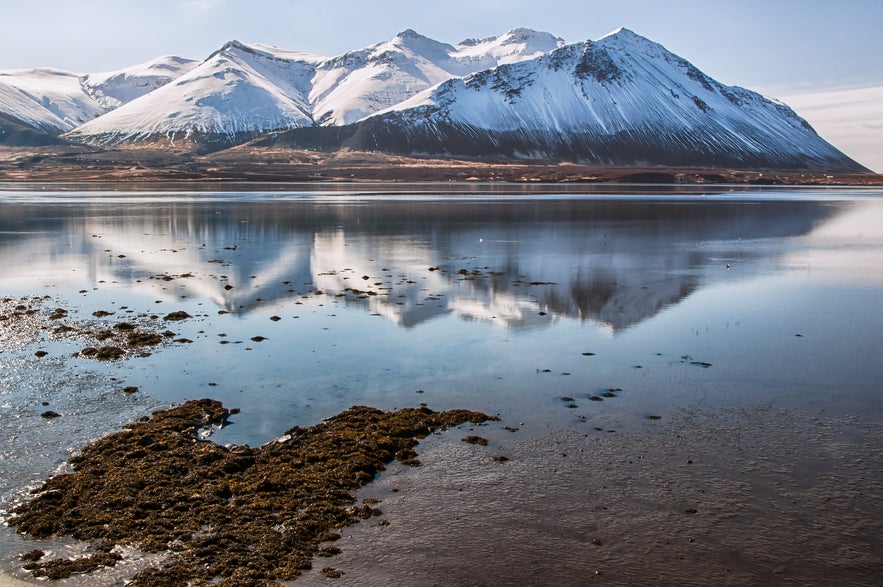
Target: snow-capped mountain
{"points": [[18, 105], [358, 84], [244, 89], [622, 100], [238, 89], [51, 101], [61, 93]]}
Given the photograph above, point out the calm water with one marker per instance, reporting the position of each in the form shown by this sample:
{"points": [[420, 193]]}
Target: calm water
{"points": [[696, 300]]}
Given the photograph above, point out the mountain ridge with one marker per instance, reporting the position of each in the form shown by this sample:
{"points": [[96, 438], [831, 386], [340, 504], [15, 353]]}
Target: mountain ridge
{"points": [[620, 100]]}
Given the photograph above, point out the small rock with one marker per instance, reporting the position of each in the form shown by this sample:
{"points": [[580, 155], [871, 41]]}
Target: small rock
{"points": [[331, 573], [49, 414], [475, 440], [177, 316]]}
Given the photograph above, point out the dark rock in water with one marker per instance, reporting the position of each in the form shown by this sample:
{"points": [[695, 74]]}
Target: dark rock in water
{"points": [[177, 316], [40, 354], [258, 338], [49, 414], [475, 440], [241, 515], [58, 314], [131, 389], [105, 353], [139, 339], [31, 556], [331, 572]]}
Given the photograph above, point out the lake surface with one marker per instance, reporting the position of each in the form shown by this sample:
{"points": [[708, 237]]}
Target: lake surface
{"points": [[695, 302]]}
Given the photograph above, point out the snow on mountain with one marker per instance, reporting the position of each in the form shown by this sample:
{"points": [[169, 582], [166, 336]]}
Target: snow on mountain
{"points": [[621, 100], [23, 121], [59, 92], [238, 89], [115, 88], [511, 47], [244, 89], [360, 83], [20, 106], [51, 101]]}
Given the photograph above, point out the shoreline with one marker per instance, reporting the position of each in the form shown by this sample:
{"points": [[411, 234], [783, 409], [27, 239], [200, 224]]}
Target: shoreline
{"points": [[80, 164]]}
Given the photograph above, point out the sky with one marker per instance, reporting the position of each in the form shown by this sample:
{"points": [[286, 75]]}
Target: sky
{"points": [[781, 48]]}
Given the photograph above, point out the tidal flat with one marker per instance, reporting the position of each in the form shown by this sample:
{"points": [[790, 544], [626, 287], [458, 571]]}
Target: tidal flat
{"points": [[686, 381]]}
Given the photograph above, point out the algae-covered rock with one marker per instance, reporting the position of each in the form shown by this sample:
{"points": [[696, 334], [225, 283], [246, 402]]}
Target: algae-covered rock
{"points": [[240, 515]]}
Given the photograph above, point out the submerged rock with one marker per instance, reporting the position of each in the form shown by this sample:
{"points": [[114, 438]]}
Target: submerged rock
{"points": [[233, 515]]}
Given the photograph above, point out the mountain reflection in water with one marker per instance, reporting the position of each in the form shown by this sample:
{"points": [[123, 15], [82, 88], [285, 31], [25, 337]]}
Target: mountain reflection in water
{"points": [[516, 262]]}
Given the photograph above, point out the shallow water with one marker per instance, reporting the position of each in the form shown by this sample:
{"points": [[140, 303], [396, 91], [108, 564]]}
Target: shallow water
{"points": [[699, 301]]}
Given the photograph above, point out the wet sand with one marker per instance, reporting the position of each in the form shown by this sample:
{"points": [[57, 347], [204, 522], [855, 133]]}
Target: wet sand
{"points": [[742, 497]]}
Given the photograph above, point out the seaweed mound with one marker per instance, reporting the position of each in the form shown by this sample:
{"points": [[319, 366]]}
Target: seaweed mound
{"points": [[226, 515]]}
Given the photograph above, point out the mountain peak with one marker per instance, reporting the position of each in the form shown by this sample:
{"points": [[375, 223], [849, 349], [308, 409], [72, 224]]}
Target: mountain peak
{"points": [[408, 34], [624, 35]]}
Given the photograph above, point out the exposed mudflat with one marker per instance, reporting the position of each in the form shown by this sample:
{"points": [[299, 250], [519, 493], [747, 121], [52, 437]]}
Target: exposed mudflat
{"points": [[735, 497]]}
